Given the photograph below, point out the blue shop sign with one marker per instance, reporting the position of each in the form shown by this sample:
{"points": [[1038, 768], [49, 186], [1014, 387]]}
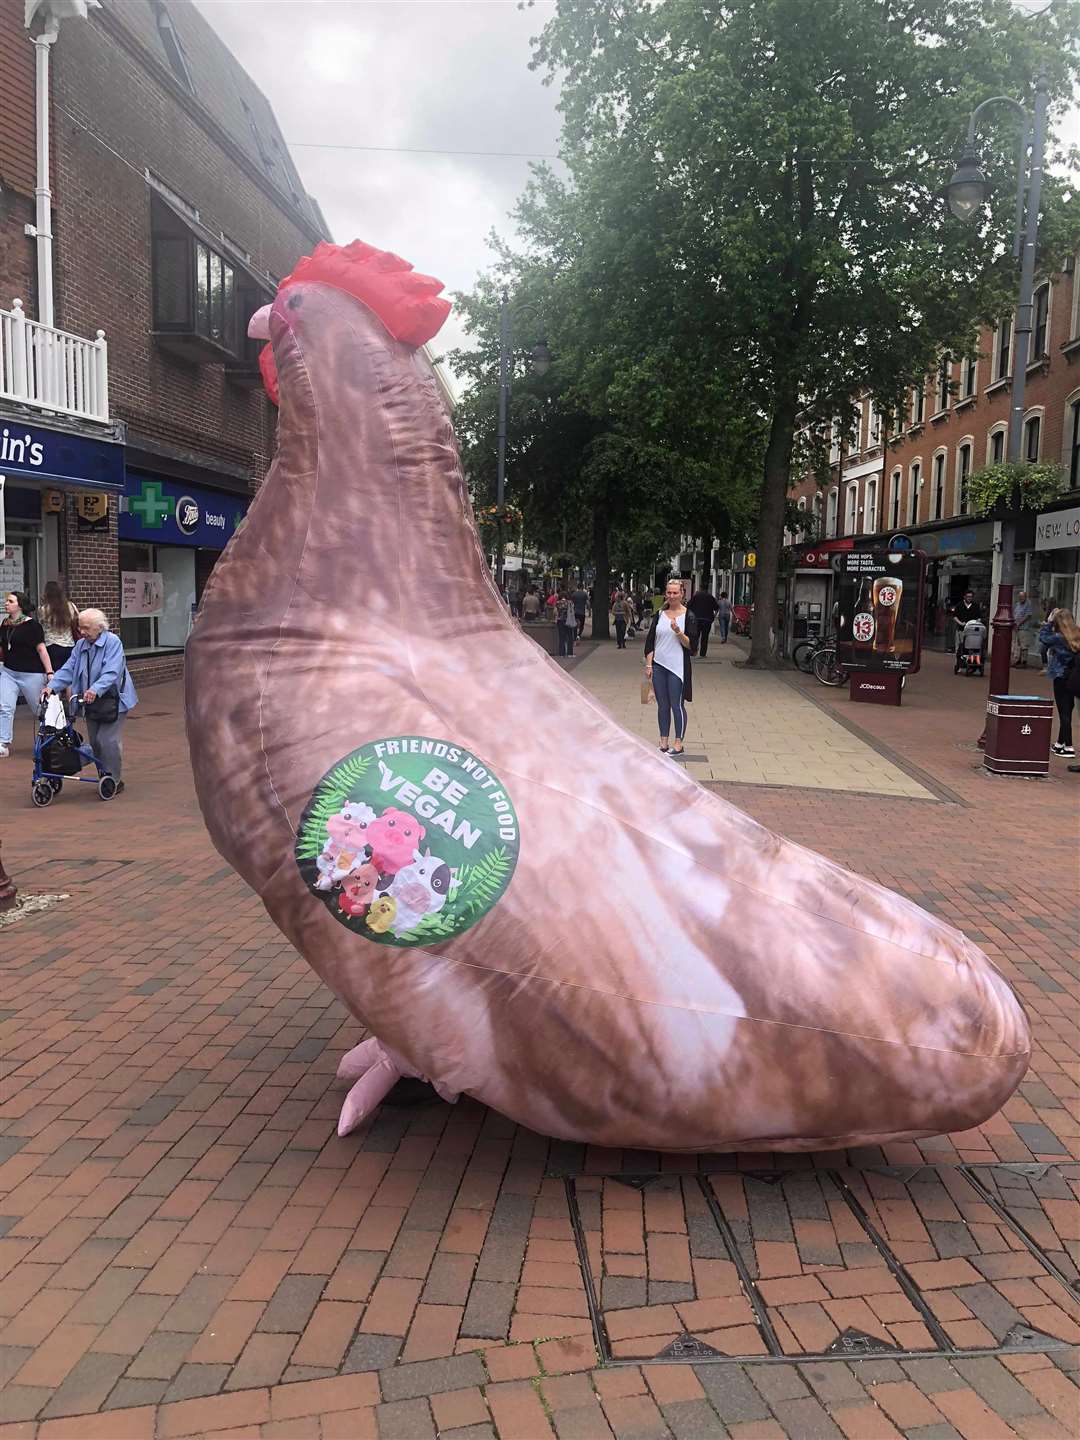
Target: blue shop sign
{"points": [[28, 451], [168, 512]]}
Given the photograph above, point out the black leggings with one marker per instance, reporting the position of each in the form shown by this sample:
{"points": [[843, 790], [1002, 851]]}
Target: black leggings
{"points": [[1065, 703]]}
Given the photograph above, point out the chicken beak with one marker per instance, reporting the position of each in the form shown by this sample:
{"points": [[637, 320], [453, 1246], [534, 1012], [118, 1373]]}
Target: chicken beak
{"points": [[259, 324]]}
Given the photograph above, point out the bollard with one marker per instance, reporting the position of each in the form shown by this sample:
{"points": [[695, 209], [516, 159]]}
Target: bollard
{"points": [[7, 888]]}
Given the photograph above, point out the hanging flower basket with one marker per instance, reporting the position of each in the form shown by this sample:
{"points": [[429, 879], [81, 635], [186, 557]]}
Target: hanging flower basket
{"points": [[992, 489]]}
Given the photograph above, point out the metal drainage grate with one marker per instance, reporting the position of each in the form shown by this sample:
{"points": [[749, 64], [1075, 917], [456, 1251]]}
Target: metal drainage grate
{"points": [[917, 1260]]}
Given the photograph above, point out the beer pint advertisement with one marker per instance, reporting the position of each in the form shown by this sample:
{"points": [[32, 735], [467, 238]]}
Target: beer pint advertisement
{"points": [[880, 595]]}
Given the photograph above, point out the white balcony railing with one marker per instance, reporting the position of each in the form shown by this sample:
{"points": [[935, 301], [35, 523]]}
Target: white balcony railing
{"points": [[53, 369]]}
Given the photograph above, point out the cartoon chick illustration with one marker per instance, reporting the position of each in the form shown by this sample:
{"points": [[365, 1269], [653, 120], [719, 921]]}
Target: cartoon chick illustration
{"points": [[381, 915]]}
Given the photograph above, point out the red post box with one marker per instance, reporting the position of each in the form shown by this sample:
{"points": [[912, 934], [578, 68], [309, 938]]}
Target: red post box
{"points": [[1018, 734]]}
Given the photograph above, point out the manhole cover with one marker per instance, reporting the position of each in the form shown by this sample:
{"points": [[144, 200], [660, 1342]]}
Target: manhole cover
{"points": [[901, 1260]]}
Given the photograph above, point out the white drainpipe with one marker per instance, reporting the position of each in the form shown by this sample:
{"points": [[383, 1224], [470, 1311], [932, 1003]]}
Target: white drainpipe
{"points": [[42, 229], [51, 12]]}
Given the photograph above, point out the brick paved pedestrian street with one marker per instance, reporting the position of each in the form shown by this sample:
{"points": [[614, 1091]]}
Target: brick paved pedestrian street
{"points": [[187, 1249]]}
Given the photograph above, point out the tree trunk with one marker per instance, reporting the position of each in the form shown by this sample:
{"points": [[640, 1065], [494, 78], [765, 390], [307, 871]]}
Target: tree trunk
{"points": [[706, 565], [770, 528], [602, 583]]}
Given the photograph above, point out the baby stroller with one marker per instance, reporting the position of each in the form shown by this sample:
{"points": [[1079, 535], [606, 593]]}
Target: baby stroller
{"points": [[971, 649], [60, 753]]}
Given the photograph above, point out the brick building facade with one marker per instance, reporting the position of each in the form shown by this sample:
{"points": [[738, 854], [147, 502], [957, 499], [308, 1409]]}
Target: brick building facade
{"points": [[176, 209], [914, 479]]}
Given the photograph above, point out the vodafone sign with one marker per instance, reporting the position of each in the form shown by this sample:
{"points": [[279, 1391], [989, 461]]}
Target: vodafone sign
{"points": [[819, 557]]}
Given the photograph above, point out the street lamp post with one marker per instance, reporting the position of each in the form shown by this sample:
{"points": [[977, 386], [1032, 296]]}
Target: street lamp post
{"points": [[966, 193], [504, 396]]}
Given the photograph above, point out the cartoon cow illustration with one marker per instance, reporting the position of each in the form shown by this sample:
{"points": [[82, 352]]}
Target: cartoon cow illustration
{"points": [[419, 889]]}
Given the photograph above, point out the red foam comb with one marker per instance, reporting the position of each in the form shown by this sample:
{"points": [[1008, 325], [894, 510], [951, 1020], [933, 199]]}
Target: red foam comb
{"points": [[407, 303]]}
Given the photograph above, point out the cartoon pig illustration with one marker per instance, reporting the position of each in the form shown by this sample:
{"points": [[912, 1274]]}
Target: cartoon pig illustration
{"points": [[393, 838]]}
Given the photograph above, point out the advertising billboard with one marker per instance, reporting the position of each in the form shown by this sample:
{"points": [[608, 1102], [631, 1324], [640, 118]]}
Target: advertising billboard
{"points": [[880, 599]]}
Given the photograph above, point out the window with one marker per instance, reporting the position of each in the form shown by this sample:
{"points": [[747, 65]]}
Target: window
{"points": [[870, 511], [834, 444], [963, 471], [1032, 437], [1002, 349], [830, 514], [851, 516], [802, 520], [201, 300], [1039, 323], [970, 379], [1072, 458], [1074, 323], [918, 404], [894, 500], [939, 485], [996, 446], [817, 515], [875, 425], [943, 378], [916, 481], [174, 51]]}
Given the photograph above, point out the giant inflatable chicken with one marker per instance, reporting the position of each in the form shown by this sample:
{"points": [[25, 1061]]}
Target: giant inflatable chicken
{"points": [[576, 934]]}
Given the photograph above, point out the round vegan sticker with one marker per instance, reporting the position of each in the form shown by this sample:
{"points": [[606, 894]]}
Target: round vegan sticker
{"points": [[408, 841]]}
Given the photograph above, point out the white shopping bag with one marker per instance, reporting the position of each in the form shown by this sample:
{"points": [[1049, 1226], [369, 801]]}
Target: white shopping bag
{"points": [[55, 714]]}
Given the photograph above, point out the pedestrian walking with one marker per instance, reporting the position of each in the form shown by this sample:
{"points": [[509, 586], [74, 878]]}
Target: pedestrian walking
{"points": [[25, 661], [1060, 638], [96, 671], [60, 621], [581, 606], [671, 640], [621, 613], [723, 616], [1024, 628], [567, 624], [704, 607]]}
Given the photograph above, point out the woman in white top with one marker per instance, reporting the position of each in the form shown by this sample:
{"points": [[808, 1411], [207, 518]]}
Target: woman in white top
{"points": [[60, 622], [671, 640]]}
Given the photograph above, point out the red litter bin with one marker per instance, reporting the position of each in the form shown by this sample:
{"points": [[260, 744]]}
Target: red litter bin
{"points": [[1018, 734]]}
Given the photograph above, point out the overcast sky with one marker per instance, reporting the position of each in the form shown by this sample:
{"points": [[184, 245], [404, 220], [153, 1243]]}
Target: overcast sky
{"points": [[425, 74], [401, 74]]}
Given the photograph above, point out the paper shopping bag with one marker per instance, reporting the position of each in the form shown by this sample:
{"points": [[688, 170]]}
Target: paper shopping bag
{"points": [[647, 695]]}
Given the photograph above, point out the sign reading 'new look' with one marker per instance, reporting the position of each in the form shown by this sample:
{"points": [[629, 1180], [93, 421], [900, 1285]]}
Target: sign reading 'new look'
{"points": [[1058, 530]]}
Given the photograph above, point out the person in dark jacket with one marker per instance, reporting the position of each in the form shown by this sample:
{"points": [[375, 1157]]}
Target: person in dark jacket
{"points": [[703, 606], [1060, 638], [671, 640]]}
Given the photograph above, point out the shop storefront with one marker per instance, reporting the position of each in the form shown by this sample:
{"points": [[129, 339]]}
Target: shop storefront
{"points": [[960, 557], [170, 536], [42, 473], [1052, 565]]}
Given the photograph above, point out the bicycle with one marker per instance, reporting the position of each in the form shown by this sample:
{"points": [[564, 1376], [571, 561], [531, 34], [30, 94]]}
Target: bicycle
{"points": [[803, 652], [827, 668]]}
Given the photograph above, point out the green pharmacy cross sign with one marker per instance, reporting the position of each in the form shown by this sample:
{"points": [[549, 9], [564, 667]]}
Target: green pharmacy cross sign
{"points": [[151, 507]]}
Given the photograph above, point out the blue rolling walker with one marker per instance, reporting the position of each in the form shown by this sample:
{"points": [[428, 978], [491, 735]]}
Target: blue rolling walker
{"points": [[60, 755]]}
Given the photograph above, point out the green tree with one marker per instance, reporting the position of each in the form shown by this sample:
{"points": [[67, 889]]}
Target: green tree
{"points": [[780, 163]]}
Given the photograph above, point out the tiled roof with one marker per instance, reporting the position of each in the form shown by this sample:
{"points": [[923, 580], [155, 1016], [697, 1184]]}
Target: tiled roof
{"points": [[223, 87]]}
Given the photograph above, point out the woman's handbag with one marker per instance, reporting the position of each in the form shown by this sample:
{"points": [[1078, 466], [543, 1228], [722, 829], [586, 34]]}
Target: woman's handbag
{"points": [[647, 696], [103, 709]]}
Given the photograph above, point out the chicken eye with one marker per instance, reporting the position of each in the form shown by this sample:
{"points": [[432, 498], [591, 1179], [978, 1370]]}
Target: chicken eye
{"points": [[391, 823], [406, 832]]}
